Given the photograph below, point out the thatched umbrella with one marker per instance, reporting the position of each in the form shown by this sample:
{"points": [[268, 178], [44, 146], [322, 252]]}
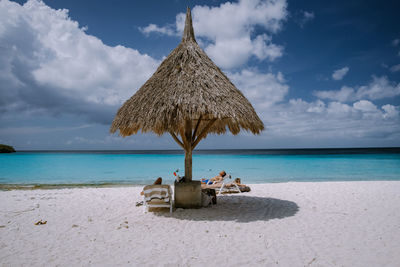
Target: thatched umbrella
{"points": [[189, 96]]}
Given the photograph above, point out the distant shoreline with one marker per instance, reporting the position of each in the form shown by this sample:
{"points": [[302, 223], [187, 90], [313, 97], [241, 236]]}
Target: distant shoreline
{"points": [[7, 187], [10, 187], [278, 151]]}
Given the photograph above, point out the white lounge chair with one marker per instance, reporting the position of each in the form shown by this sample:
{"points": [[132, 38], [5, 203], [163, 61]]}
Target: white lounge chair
{"points": [[227, 179], [157, 196]]}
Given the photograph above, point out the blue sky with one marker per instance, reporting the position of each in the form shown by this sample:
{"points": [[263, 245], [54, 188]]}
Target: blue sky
{"points": [[319, 74]]}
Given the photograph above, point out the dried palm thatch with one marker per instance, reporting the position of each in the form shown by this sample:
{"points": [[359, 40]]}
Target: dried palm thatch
{"points": [[189, 96]]}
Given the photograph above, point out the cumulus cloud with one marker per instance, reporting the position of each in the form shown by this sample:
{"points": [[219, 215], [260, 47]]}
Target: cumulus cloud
{"points": [[324, 122], [227, 31], [262, 89], [365, 106], [167, 30], [378, 88], [299, 105], [390, 111], [49, 63], [309, 121], [343, 95], [340, 73], [395, 68]]}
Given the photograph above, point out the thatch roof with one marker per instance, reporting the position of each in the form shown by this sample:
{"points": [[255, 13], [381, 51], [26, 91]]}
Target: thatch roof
{"points": [[187, 86]]}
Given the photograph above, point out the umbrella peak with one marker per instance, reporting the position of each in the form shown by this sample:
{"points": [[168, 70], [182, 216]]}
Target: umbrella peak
{"points": [[188, 32]]}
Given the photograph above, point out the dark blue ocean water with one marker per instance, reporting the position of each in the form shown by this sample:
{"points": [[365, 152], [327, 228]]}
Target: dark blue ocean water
{"points": [[253, 166]]}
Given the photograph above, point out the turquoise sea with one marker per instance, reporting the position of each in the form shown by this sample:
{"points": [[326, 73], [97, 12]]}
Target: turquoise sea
{"points": [[253, 166]]}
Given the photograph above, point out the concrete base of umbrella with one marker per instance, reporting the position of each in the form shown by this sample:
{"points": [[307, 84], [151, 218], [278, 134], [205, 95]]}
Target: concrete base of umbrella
{"points": [[188, 195]]}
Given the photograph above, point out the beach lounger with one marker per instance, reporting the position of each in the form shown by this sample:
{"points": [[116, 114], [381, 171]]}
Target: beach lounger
{"points": [[233, 189], [221, 185], [157, 196], [227, 181]]}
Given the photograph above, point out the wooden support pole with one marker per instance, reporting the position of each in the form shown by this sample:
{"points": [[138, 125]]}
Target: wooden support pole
{"points": [[188, 150]]}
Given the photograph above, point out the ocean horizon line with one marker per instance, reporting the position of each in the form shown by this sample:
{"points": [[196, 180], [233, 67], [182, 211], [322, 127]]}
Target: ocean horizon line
{"points": [[242, 151]]}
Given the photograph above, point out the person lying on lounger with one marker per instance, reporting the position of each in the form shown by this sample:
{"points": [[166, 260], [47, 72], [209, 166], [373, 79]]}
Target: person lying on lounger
{"points": [[237, 183], [216, 179]]}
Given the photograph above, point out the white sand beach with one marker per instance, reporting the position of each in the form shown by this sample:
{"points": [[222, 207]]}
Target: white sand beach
{"points": [[283, 224]]}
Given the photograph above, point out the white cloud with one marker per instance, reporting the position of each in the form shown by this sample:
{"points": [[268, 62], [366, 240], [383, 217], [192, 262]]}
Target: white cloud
{"points": [[378, 88], [226, 31], [317, 107], [344, 94], [396, 42], [390, 111], [167, 30], [323, 121], [338, 110], [340, 73], [365, 106], [331, 122], [263, 48], [306, 16], [395, 68], [48, 62], [318, 122], [315, 123], [262, 90], [299, 105]]}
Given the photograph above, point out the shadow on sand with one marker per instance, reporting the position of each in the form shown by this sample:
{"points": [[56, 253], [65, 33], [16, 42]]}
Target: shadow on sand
{"points": [[238, 208]]}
